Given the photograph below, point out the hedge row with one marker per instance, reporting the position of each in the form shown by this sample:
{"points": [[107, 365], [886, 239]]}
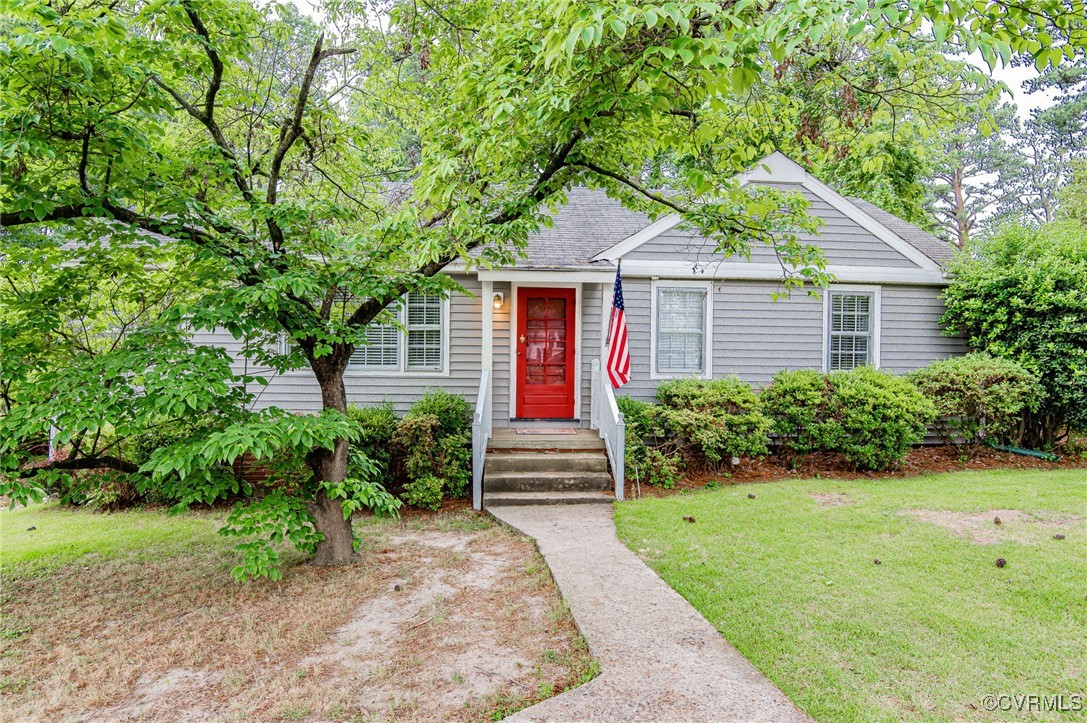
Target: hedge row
{"points": [[870, 417]]}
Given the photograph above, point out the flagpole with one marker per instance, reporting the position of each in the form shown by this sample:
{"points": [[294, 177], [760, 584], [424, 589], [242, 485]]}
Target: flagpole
{"points": [[607, 336]]}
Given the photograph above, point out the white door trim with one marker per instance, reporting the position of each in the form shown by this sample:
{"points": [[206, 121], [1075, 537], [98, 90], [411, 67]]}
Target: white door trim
{"points": [[514, 287]]}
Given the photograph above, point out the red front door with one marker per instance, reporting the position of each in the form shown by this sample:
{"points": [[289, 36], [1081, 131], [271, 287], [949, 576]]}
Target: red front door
{"points": [[545, 353]]}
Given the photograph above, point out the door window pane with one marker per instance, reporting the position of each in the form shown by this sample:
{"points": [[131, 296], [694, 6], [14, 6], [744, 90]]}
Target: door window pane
{"points": [[545, 341]]}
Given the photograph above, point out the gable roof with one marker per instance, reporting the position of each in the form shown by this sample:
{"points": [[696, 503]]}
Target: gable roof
{"points": [[923, 250], [588, 223], [936, 249]]}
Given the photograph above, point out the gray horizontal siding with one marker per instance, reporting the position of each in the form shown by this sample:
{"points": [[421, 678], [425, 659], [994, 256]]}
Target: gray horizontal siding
{"points": [[911, 332], [755, 336], [591, 335], [298, 391], [500, 388], [843, 241]]}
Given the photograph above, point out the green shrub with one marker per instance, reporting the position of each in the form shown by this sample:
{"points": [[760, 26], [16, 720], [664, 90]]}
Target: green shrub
{"points": [[660, 469], [869, 416], [434, 441], [376, 424], [637, 415], [1021, 294], [713, 420], [797, 403], [416, 441], [978, 398], [453, 412], [425, 492], [456, 464], [640, 420], [875, 417]]}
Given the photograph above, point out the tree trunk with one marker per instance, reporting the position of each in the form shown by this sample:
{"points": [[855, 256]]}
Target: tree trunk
{"points": [[331, 466], [962, 224]]}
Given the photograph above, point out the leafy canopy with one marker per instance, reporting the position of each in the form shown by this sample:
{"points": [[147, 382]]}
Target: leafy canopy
{"points": [[309, 174]]}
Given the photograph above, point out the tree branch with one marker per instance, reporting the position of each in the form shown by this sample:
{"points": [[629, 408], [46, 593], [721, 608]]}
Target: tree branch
{"points": [[103, 462], [632, 184], [535, 195]]}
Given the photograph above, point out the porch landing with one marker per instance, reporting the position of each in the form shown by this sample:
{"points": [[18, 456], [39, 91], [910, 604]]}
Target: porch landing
{"points": [[544, 439], [660, 659]]}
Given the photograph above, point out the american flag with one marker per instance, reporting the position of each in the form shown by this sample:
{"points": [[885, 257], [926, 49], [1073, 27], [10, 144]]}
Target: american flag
{"points": [[618, 350]]}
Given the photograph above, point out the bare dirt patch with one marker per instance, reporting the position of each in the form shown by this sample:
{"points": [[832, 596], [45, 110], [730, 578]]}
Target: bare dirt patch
{"points": [[832, 499], [982, 528], [445, 618]]}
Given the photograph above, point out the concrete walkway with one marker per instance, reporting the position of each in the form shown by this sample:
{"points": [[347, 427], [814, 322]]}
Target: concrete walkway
{"points": [[660, 659]]}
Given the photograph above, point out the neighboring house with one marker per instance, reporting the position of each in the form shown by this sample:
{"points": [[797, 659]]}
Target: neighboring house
{"points": [[524, 345]]}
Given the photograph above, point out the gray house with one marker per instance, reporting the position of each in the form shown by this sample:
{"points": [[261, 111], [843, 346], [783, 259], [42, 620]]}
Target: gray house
{"points": [[527, 343]]}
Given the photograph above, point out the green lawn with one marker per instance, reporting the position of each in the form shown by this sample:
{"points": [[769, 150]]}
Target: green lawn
{"points": [[61, 536], [789, 578]]}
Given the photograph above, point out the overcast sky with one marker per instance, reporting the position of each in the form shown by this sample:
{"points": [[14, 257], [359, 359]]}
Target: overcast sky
{"points": [[1014, 78]]}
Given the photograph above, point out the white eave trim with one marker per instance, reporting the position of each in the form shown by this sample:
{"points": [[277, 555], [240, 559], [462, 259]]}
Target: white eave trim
{"points": [[666, 223], [854, 212], [743, 271], [570, 276], [779, 168]]}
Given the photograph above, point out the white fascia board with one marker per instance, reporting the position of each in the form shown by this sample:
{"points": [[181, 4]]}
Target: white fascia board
{"points": [[855, 213], [736, 270], [665, 223], [775, 168], [565, 276]]}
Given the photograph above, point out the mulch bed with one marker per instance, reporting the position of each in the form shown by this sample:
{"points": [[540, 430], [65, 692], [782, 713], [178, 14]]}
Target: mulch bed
{"points": [[921, 460]]}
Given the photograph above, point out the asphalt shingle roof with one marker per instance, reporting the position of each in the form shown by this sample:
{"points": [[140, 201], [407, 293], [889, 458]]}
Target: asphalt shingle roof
{"points": [[587, 224], [936, 249], [590, 222]]}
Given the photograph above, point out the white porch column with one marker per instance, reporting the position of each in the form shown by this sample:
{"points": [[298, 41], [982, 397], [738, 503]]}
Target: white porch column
{"points": [[487, 335]]}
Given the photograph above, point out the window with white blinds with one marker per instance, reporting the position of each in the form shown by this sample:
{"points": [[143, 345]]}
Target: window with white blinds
{"points": [[415, 345], [681, 330], [850, 337], [381, 350], [424, 330]]}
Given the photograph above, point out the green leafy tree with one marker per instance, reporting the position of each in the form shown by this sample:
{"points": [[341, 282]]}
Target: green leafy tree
{"points": [[973, 163], [270, 147], [1051, 143], [1022, 295], [1073, 196]]}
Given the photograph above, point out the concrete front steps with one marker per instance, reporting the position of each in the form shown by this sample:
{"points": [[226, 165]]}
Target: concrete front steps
{"points": [[546, 469]]}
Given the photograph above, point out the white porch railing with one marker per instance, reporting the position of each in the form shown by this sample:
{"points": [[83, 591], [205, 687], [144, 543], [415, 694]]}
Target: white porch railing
{"points": [[605, 417], [481, 434]]}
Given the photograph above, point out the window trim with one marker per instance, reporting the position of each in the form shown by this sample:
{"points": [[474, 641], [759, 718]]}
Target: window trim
{"points": [[876, 319], [442, 337], [707, 333], [401, 369]]}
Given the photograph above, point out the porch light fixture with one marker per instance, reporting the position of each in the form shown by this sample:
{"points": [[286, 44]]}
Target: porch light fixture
{"points": [[499, 298]]}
